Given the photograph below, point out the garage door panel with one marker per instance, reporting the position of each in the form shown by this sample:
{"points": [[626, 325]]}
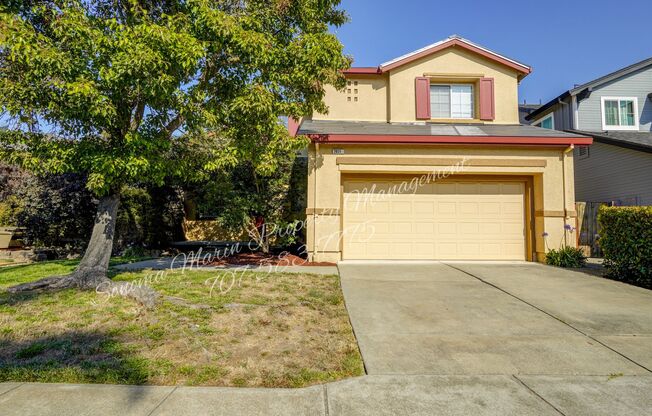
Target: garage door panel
{"points": [[513, 229], [447, 208], [445, 189], [468, 189], [467, 208], [469, 229], [401, 207], [425, 228], [514, 188], [492, 249], [490, 188], [402, 250], [512, 207], [490, 228], [490, 208], [445, 220], [424, 207]]}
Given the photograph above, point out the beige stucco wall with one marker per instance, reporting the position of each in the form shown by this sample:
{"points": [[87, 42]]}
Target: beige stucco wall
{"points": [[371, 104], [391, 97], [459, 62], [325, 181]]}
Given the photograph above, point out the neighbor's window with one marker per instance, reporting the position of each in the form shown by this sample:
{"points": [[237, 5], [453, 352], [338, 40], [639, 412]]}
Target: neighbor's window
{"points": [[548, 122], [451, 101], [619, 113]]}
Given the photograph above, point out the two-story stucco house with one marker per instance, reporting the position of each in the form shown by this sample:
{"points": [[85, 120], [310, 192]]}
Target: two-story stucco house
{"points": [[616, 110], [423, 157]]}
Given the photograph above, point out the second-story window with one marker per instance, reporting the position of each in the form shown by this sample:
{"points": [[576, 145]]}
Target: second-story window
{"points": [[619, 113], [451, 101]]}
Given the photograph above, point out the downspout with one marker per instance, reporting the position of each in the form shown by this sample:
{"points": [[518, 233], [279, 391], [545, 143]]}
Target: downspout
{"points": [[563, 180], [576, 117]]}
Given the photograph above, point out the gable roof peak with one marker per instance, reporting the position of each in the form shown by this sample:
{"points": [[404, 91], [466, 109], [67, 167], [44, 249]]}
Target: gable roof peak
{"points": [[454, 40]]}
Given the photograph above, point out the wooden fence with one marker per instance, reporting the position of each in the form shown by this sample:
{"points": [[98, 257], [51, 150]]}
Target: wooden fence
{"points": [[588, 228]]}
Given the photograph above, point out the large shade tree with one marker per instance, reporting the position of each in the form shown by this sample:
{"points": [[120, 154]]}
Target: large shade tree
{"points": [[141, 91]]}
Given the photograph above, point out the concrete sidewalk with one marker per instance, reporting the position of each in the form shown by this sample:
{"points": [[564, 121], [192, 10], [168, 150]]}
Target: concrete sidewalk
{"points": [[369, 395]]}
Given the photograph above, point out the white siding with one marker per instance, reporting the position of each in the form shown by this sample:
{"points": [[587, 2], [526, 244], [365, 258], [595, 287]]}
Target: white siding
{"points": [[637, 84], [613, 173]]}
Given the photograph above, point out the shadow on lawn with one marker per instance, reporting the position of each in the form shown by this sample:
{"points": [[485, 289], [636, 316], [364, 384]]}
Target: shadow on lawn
{"points": [[70, 357]]}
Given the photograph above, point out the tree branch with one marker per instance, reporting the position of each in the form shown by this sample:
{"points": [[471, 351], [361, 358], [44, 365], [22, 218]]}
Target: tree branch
{"points": [[138, 116], [174, 124]]}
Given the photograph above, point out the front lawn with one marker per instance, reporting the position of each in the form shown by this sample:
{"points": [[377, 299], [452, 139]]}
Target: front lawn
{"points": [[268, 330]]}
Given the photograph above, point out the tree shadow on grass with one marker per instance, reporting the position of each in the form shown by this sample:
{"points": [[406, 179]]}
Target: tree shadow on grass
{"points": [[71, 357]]}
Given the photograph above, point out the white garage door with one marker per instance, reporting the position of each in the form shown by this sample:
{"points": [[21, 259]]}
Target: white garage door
{"points": [[450, 220]]}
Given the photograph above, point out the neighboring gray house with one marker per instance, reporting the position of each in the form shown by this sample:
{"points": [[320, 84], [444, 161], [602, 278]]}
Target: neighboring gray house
{"points": [[616, 110]]}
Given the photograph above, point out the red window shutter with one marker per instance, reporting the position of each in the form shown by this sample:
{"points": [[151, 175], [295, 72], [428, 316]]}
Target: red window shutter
{"points": [[487, 100], [422, 92]]}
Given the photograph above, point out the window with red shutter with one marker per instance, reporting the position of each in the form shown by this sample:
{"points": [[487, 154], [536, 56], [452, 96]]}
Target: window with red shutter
{"points": [[487, 99]]}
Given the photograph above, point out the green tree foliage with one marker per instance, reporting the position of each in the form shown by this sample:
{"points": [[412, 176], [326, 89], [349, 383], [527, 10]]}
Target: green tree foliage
{"points": [[242, 196], [120, 78], [142, 91]]}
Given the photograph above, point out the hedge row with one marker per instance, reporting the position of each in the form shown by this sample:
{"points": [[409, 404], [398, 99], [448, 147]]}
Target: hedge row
{"points": [[626, 240]]}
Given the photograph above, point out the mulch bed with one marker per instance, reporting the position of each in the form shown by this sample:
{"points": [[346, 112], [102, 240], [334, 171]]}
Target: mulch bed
{"points": [[261, 259]]}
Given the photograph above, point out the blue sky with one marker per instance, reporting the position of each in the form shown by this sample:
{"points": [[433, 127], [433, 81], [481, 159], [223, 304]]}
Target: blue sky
{"points": [[566, 42]]}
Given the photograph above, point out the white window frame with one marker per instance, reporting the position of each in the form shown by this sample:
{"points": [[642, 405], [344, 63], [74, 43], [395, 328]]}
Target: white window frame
{"points": [[450, 101], [542, 119], [605, 127]]}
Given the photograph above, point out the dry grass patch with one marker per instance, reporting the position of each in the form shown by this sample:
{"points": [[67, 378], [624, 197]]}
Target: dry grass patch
{"points": [[270, 330]]}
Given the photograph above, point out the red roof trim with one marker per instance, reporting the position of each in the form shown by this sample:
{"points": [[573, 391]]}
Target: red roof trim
{"points": [[456, 42], [480, 140]]}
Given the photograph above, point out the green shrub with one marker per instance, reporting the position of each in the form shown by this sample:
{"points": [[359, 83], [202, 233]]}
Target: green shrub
{"points": [[58, 211], [626, 240], [10, 209], [566, 257]]}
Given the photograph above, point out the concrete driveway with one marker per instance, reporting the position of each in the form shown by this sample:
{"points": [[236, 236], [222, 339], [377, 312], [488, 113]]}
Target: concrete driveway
{"points": [[573, 340]]}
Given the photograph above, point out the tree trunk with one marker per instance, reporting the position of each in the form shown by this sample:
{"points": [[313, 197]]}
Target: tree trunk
{"points": [[93, 268], [92, 272]]}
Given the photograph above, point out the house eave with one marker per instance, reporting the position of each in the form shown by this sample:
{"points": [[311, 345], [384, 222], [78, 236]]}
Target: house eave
{"points": [[452, 140]]}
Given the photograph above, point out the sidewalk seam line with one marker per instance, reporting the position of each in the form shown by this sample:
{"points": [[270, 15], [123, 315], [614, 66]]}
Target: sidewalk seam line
{"points": [[550, 315], [12, 389], [538, 395], [326, 410], [162, 401]]}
